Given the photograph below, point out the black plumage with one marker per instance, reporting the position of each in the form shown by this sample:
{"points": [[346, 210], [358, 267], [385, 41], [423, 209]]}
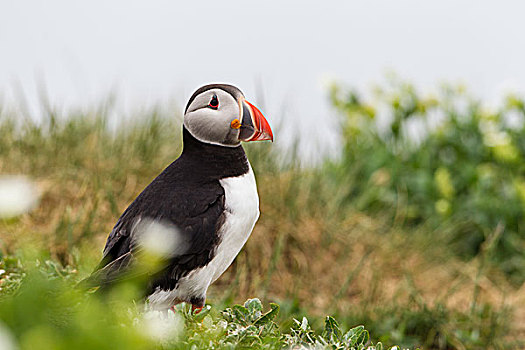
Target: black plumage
{"points": [[187, 194]]}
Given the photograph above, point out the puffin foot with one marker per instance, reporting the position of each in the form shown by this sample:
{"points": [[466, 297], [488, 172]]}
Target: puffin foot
{"points": [[196, 309]]}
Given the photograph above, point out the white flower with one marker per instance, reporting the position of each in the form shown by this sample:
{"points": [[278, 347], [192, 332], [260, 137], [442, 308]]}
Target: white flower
{"points": [[162, 326], [160, 238], [18, 195], [7, 342]]}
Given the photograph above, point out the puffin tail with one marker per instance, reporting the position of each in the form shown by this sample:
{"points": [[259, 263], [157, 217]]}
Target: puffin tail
{"points": [[105, 273]]}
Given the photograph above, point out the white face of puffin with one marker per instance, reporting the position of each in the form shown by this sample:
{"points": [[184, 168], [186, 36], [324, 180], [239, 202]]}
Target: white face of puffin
{"points": [[221, 116]]}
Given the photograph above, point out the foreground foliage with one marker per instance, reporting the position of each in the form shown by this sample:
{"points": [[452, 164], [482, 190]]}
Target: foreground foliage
{"points": [[40, 308]]}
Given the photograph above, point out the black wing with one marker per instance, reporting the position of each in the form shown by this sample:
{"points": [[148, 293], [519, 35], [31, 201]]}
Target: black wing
{"points": [[194, 207]]}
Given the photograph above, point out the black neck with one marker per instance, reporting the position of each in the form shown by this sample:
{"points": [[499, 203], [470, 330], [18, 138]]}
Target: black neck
{"points": [[213, 161]]}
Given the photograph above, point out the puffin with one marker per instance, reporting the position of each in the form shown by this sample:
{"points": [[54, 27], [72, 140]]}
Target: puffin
{"points": [[199, 211]]}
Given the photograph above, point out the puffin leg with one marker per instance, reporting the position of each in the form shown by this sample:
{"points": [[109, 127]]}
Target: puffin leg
{"points": [[196, 309], [175, 303], [197, 303]]}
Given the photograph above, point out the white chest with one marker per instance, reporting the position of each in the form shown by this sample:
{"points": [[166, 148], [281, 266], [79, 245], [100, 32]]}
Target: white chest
{"points": [[241, 213]]}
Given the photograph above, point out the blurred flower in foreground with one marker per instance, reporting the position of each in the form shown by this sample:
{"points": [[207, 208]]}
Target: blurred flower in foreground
{"points": [[162, 326], [18, 195], [7, 341], [160, 238]]}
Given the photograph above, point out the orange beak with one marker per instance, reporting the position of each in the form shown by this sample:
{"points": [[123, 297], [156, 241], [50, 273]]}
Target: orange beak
{"points": [[254, 126]]}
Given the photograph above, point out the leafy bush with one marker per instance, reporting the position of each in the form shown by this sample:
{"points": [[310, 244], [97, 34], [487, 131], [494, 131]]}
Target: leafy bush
{"points": [[446, 160], [44, 310]]}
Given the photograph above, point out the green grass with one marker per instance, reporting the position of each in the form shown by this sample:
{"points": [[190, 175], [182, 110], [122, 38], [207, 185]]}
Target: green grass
{"points": [[46, 311], [390, 235]]}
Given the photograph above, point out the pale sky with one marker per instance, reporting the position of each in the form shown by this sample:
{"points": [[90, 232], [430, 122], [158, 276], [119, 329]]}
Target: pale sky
{"points": [[158, 52]]}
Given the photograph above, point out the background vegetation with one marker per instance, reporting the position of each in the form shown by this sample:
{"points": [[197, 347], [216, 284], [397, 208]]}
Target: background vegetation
{"points": [[415, 230]]}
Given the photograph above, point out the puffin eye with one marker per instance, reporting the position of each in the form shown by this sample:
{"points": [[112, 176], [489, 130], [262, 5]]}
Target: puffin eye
{"points": [[214, 103]]}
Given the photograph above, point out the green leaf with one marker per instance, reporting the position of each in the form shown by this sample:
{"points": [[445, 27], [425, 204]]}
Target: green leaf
{"points": [[356, 336], [269, 316], [201, 314], [331, 332], [240, 313], [254, 307], [304, 324]]}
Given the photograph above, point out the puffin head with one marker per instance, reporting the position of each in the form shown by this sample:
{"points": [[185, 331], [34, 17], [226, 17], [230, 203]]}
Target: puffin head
{"points": [[219, 114]]}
